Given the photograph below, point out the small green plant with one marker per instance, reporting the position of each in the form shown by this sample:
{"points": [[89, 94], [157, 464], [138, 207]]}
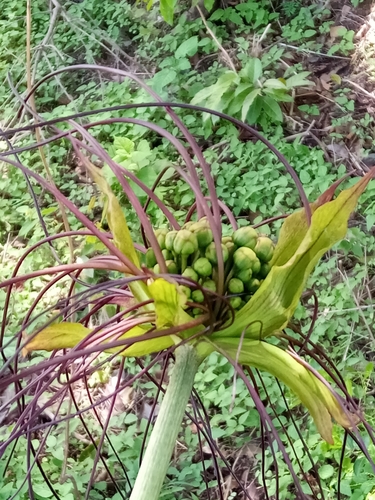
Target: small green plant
{"points": [[250, 94]]}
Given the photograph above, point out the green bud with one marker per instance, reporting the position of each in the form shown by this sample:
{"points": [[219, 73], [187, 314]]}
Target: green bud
{"points": [[235, 302], [150, 258], [186, 290], [226, 239], [211, 254], [245, 237], [156, 269], [166, 254], [188, 224], [264, 249], [204, 237], [244, 275], [201, 224], [190, 273], [185, 243], [264, 270], [245, 258], [256, 267], [235, 285], [160, 236], [197, 311], [171, 267], [252, 285], [197, 296], [210, 285], [203, 267], [169, 239]]}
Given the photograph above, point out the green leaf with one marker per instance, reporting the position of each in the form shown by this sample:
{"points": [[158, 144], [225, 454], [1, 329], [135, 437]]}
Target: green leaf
{"points": [[68, 335], [297, 252], [167, 10], [162, 78], [253, 70], [274, 83], [255, 109], [299, 80], [313, 394], [326, 471], [212, 95], [188, 48], [248, 101], [208, 4], [272, 109], [115, 217]]}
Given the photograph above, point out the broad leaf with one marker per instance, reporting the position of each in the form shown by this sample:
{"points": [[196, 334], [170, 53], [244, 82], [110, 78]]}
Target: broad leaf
{"points": [[299, 80], [253, 70], [313, 394], [69, 335], [272, 109], [167, 10], [299, 249], [187, 48], [248, 101]]}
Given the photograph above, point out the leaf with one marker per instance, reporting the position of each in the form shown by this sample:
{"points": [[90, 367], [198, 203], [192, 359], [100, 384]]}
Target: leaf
{"points": [[248, 101], [313, 394], [299, 249], [274, 83], [272, 109], [169, 306], [299, 80], [168, 303], [68, 335], [253, 70], [188, 48], [115, 217], [208, 4], [167, 10], [326, 471], [162, 78], [255, 110], [212, 95]]}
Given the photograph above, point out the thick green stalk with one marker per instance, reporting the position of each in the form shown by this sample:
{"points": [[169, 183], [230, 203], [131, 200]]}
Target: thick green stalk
{"points": [[159, 450]]}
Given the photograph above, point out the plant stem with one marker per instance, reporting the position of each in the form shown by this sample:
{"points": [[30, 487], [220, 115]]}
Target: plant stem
{"points": [[159, 450]]}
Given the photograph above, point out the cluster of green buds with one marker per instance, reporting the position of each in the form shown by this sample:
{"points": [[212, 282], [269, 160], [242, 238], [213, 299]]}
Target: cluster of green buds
{"points": [[192, 253]]}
